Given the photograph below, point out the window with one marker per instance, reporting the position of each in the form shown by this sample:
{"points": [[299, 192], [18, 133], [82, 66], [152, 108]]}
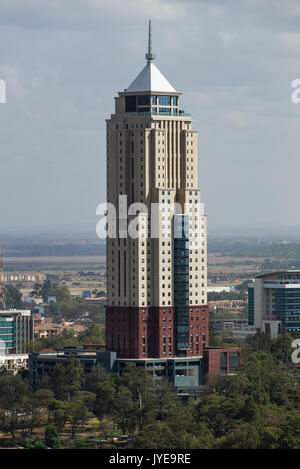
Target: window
{"points": [[143, 100], [164, 100]]}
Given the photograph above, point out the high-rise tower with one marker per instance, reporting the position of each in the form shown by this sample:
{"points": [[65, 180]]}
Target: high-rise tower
{"points": [[156, 281]]}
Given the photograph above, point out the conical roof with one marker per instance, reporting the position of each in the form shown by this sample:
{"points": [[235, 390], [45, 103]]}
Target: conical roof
{"points": [[150, 78]]}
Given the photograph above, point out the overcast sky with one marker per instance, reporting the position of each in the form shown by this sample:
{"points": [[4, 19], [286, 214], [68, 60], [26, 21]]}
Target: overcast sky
{"points": [[63, 62]]}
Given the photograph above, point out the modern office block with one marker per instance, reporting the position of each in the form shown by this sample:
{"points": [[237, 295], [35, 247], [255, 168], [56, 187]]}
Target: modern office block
{"points": [[16, 330], [274, 298]]}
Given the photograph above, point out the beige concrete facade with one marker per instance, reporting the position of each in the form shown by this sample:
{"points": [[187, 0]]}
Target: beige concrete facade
{"points": [[152, 158]]}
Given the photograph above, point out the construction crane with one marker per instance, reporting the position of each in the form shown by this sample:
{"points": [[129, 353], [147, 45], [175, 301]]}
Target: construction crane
{"points": [[2, 283]]}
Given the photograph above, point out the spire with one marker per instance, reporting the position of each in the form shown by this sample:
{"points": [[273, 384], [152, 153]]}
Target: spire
{"points": [[150, 55]]}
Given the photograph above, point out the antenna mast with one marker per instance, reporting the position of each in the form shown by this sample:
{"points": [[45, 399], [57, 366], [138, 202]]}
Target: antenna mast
{"points": [[150, 54]]}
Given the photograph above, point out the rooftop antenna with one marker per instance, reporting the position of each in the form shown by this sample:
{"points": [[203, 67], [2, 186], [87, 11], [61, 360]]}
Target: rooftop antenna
{"points": [[150, 55]]}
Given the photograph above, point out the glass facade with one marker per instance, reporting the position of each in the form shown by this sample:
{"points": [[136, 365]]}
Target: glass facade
{"points": [[15, 332], [251, 306], [181, 283], [143, 100], [158, 105], [164, 100], [286, 307]]}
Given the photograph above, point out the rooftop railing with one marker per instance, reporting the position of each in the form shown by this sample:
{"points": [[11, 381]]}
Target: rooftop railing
{"points": [[161, 113]]}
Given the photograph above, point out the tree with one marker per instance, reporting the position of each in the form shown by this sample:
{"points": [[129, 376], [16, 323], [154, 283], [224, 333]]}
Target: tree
{"points": [[66, 378], [87, 398], [59, 414], [290, 431], [46, 289], [159, 435], [141, 384], [52, 438], [39, 401], [13, 391], [281, 348], [104, 397], [13, 297], [244, 436], [96, 376], [114, 399], [164, 399], [250, 410], [60, 292], [77, 415]]}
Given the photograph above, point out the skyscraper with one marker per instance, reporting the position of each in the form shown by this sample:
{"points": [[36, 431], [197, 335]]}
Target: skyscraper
{"points": [[156, 274]]}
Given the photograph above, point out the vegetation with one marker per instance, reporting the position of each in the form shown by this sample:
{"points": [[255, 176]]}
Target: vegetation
{"points": [[258, 407], [225, 295], [94, 334], [13, 297], [289, 250], [65, 306]]}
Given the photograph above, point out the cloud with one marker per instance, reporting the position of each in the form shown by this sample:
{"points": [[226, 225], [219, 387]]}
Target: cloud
{"points": [[226, 38], [167, 10], [216, 11], [12, 78], [64, 61], [290, 40]]}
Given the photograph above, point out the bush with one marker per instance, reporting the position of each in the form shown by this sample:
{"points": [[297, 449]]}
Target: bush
{"points": [[35, 443], [52, 438]]}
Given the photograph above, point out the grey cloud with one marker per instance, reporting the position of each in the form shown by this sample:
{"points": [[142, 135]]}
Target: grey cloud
{"points": [[65, 60]]}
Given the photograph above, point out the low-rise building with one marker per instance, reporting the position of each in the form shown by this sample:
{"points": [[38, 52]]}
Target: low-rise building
{"points": [[186, 374], [223, 324], [13, 363]]}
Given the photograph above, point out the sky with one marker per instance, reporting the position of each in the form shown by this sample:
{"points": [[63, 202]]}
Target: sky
{"points": [[63, 61]]}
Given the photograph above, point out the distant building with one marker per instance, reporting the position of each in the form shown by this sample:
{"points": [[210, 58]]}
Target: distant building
{"points": [[16, 330], [47, 329], [86, 294], [274, 302], [22, 277], [220, 288], [27, 301], [51, 299], [100, 300], [13, 363], [243, 333], [223, 324], [232, 306]]}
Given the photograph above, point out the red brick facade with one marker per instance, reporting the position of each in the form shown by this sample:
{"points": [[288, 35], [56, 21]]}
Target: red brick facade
{"points": [[198, 325], [212, 359], [143, 332]]}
